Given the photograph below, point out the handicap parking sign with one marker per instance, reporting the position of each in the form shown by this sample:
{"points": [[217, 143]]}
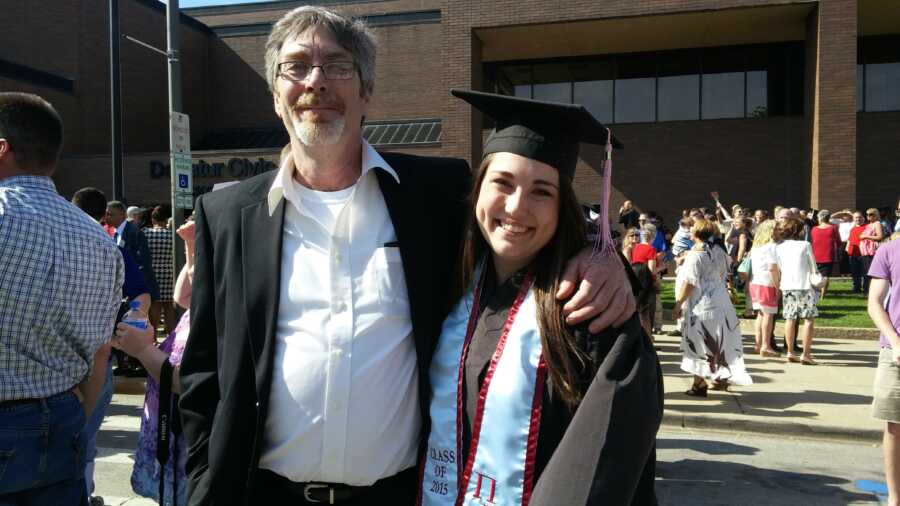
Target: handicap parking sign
{"points": [[183, 181]]}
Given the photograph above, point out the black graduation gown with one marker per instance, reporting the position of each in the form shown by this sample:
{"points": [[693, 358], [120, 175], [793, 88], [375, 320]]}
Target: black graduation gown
{"points": [[604, 452]]}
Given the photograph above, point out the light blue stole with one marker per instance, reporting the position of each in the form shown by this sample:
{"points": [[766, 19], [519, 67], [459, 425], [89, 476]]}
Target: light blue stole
{"points": [[499, 469]]}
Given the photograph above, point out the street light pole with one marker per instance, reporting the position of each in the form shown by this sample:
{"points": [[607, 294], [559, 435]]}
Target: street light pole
{"points": [[173, 36], [118, 191]]}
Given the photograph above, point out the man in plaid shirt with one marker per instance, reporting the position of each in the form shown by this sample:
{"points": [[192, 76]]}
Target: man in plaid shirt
{"points": [[60, 287]]}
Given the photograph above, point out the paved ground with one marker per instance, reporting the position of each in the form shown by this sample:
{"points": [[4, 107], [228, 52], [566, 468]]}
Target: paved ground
{"points": [[828, 400], [700, 468]]}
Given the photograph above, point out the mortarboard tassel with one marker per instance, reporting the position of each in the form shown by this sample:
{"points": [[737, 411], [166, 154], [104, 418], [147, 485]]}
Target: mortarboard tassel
{"points": [[604, 244]]}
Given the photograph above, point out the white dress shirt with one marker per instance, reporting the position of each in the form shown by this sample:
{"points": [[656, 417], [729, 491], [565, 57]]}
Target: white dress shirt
{"points": [[343, 406]]}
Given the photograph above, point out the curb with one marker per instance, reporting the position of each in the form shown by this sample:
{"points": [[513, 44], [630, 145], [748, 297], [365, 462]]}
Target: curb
{"points": [[672, 418]]}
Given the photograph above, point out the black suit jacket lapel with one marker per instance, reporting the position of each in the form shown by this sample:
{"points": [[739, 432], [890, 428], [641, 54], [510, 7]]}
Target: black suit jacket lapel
{"points": [[403, 204], [261, 243]]}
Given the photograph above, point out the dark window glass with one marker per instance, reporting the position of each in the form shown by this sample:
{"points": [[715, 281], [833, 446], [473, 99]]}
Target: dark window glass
{"points": [[551, 73], [860, 72], [757, 94], [554, 92], [635, 100], [636, 65], [522, 90], [882, 86], [723, 95], [720, 60], [592, 70], [596, 97], [679, 98]]}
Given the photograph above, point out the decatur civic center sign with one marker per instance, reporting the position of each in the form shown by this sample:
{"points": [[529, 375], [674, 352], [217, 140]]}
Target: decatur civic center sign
{"points": [[234, 168]]}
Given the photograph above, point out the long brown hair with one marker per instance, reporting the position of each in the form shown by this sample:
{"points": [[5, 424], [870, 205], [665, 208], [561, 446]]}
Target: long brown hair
{"points": [[566, 363]]}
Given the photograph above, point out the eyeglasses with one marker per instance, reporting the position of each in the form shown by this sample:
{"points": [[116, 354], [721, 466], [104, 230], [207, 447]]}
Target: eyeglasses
{"points": [[298, 70]]}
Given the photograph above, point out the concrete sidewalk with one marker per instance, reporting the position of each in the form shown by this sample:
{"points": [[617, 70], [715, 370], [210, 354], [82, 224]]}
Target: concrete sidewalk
{"points": [[830, 400]]}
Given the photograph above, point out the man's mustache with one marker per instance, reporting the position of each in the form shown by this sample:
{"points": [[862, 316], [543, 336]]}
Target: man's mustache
{"points": [[316, 100]]}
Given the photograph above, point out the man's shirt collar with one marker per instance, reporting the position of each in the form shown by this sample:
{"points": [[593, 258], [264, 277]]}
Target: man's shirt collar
{"points": [[283, 188], [30, 181]]}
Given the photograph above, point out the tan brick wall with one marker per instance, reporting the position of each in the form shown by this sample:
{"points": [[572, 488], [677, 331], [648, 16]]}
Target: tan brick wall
{"points": [[408, 82], [255, 15], [833, 150], [70, 38], [666, 167]]}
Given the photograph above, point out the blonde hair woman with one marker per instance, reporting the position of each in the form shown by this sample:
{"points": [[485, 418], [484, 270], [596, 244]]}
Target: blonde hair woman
{"points": [[711, 331], [762, 287], [631, 238]]}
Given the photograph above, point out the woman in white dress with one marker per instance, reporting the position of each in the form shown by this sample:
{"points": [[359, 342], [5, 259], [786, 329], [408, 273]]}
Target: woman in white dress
{"points": [[710, 331]]}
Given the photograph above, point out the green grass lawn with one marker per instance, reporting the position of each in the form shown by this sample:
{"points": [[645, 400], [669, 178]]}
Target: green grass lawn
{"points": [[840, 308]]}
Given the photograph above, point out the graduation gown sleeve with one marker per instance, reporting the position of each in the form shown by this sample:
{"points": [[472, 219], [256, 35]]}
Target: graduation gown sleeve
{"points": [[611, 439]]}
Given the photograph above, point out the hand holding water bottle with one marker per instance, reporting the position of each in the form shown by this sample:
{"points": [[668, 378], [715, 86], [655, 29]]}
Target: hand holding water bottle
{"points": [[134, 334]]}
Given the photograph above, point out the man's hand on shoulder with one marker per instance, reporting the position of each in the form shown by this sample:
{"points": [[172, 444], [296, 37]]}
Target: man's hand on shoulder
{"points": [[603, 293]]}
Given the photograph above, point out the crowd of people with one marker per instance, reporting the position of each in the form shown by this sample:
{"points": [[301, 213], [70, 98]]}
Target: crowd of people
{"points": [[784, 262]]}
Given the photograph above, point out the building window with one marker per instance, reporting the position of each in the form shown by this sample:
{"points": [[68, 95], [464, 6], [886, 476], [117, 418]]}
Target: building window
{"points": [[680, 85], [635, 100], [596, 97], [553, 92], [679, 98], [723, 95], [878, 74], [757, 94], [882, 87]]}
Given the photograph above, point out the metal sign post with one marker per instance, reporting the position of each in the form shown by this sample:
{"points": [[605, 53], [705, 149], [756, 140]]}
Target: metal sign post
{"points": [[179, 135]]}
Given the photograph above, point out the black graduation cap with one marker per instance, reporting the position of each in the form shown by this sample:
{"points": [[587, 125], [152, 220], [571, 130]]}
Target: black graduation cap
{"points": [[545, 131]]}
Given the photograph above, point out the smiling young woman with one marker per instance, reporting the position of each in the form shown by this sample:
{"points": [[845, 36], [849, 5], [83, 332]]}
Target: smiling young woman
{"points": [[512, 384]]}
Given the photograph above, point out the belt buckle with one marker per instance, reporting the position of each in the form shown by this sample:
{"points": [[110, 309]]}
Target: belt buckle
{"points": [[313, 486]]}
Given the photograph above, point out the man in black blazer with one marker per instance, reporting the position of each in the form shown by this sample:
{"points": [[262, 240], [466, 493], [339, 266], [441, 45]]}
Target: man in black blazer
{"points": [[319, 291], [130, 237]]}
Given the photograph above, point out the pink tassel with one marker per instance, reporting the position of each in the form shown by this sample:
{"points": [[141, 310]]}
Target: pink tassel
{"points": [[604, 244]]}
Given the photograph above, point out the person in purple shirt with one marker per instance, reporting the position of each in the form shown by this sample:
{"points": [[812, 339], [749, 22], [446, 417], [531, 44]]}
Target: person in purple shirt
{"points": [[884, 309]]}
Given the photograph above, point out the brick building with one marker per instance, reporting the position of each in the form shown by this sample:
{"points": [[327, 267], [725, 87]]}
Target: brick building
{"points": [[766, 101]]}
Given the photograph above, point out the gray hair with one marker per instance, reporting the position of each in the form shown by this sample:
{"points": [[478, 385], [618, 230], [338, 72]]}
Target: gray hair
{"points": [[648, 232], [824, 214], [354, 35]]}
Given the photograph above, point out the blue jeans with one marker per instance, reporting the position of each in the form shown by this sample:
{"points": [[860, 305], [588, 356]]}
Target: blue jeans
{"points": [[92, 427], [859, 269], [42, 452]]}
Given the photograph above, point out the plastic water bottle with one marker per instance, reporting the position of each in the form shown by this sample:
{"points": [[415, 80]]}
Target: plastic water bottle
{"points": [[135, 317]]}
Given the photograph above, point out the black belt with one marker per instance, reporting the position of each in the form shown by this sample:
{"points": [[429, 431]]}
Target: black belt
{"points": [[329, 493], [21, 402]]}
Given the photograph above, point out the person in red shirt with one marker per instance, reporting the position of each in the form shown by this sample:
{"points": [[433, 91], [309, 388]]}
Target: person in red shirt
{"points": [[853, 252], [644, 253], [644, 260], [826, 243]]}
